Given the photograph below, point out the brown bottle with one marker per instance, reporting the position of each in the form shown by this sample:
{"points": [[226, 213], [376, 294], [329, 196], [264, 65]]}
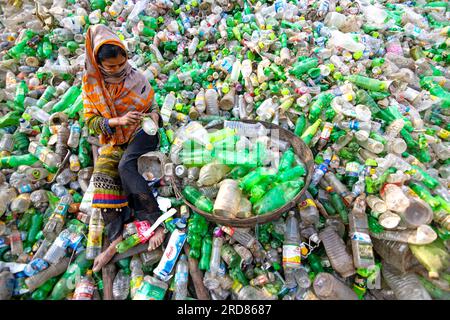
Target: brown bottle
{"points": [[53, 270]]}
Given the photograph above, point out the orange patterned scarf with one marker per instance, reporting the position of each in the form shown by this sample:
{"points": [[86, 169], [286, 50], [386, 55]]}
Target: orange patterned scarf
{"points": [[112, 96]]}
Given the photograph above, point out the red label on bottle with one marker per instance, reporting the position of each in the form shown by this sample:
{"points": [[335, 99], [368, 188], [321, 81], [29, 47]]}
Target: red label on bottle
{"points": [[142, 227]]}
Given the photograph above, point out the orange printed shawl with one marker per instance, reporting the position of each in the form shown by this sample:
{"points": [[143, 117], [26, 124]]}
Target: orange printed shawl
{"points": [[107, 98]]}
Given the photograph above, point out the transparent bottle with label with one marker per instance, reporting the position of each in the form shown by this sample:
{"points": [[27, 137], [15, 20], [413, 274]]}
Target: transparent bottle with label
{"points": [[363, 256], [291, 245]]}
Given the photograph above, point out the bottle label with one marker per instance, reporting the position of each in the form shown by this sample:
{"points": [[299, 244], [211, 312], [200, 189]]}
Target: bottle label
{"points": [[307, 203], [353, 125], [142, 227], [291, 255], [61, 209], [181, 277], [352, 169], [85, 291], [361, 237], [136, 283], [26, 188], [150, 292], [94, 238], [326, 132], [443, 134]]}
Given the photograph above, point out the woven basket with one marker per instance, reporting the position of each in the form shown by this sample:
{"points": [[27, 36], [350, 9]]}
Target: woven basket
{"points": [[300, 149]]}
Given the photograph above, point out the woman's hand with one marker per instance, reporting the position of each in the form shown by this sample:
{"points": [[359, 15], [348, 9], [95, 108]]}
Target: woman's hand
{"points": [[131, 118]]}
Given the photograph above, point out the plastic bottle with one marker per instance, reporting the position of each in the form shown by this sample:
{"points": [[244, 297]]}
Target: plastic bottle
{"points": [[6, 284], [363, 256], [328, 287], [212, 104], [74, 137], [405, 286], [121, 285], [95, 235], [68, 281], [291, 247], [137, 275], [341, 261], [85, 288], [52, 271], [56, 222], [181, 279]]}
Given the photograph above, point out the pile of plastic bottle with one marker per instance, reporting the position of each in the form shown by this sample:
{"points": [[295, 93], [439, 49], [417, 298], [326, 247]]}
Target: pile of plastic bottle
{"points": [[365, 84]]}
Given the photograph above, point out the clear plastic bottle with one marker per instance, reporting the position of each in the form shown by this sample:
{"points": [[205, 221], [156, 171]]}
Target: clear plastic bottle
{"points": [[58, 248], [15, 241], [363, 256], [200, 103], [149, 126], [137, 275], [291, 246], [327, 287], [65, 177], [181, 279], [251, 130], [214, 262], [167, 107], [95, 235], [21, 203], [85, 288], [251, 293], [74, 137], [121, 285], [405, 286], [212, 103], [244, 237], [395, 198], [395, 253], [336, 251], [309, 213]]}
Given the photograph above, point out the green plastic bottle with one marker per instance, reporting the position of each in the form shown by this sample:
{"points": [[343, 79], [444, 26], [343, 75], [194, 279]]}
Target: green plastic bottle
{"points": [[310, 132], [302, 67], [67, 99], [321, 102], [197, 199], [368, 83], [286, 161], [10, 119], [43, 291], [300, 125], [203, 264], [37, 221], [339, 205], [21, 92], [67, 283], [425, 195], [278, 196], [15, 161]]}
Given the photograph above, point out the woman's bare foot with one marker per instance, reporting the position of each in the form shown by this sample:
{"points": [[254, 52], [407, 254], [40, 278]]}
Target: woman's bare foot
{"points": [[103, 258], [157, 239]]}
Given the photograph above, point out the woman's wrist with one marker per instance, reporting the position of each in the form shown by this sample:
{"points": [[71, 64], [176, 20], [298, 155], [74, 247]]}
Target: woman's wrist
{"points": [[114, 122]]}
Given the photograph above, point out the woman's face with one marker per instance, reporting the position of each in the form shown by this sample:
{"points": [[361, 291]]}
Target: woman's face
{"points": [[113, 65]]}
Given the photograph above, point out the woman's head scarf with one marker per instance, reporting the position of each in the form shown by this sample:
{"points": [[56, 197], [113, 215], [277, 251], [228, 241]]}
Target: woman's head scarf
{"points": [[112, 95]]}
